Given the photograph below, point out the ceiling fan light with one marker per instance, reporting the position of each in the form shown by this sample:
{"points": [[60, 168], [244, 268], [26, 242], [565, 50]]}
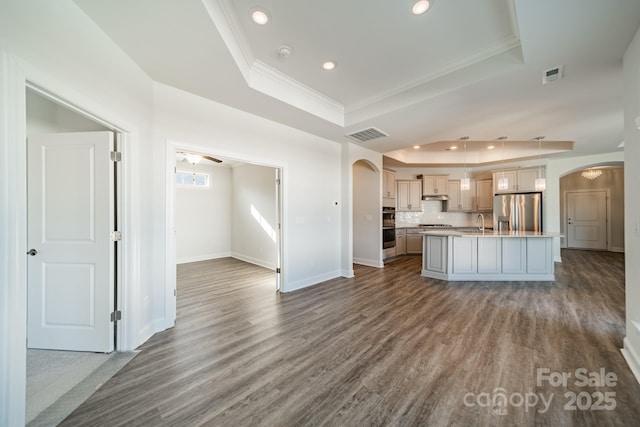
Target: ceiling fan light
{"points": [[193, 158]]}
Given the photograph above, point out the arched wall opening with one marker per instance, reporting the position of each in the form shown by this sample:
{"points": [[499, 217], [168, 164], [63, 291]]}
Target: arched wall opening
{"points": [[609, 181], [367, 217]]}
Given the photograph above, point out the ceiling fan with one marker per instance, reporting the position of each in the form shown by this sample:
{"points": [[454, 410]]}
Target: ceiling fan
{"points": [[194, 158]]}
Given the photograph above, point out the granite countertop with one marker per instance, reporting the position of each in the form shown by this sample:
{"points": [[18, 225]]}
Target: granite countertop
{"points": [[490, 233]]}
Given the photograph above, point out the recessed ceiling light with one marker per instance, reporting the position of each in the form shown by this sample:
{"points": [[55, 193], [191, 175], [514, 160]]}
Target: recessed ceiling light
{"points": [[416, 147], [491, 147], [260, 17], [329, 65], [453, 147], [420, 7]]}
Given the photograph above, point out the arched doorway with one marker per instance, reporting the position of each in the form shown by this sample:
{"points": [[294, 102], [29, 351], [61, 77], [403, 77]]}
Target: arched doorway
{"points": [[367, 226]]}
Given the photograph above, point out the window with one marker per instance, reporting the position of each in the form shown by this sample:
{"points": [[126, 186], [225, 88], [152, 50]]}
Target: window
{"points": [[192, 179]]}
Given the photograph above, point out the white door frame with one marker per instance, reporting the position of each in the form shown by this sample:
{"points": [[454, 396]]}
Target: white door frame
{"points": [[15, 77], [172, 147], [565, 198]]}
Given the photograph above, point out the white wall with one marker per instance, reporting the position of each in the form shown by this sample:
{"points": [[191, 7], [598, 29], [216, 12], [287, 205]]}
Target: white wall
{"points": [[311, 169], [367, 233], [45, 116], [203, 215], [254, 225], [632, 202], [57, 47]]}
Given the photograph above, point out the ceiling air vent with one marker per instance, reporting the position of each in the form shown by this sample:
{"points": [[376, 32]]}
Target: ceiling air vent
{"points": [[366, 134], [552, 75]]}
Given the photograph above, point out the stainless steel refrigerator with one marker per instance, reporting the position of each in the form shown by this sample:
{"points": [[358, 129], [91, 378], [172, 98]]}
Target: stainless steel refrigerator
{"points": [[517, 212]]}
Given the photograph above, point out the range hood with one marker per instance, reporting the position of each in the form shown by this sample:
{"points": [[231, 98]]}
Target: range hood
{"points": [[440, 197]]}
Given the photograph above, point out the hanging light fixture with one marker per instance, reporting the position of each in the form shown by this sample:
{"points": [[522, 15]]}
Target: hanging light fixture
{"points": [[503, 181], [465, 182], [540, 182], [193, 158], [591, 174]]}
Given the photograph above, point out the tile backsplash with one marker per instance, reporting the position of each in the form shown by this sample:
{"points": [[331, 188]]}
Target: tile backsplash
{"points": [[432, 214]]}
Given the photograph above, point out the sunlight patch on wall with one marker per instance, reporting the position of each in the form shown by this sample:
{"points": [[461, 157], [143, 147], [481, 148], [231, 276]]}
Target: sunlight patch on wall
{"points": [[263, 223]]}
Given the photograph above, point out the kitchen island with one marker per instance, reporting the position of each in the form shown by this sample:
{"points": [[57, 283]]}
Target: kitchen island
{"points": [[488, 255]]}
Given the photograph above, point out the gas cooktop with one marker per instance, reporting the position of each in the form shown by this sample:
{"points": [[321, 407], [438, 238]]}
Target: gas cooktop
{"points": [[435, 225]]}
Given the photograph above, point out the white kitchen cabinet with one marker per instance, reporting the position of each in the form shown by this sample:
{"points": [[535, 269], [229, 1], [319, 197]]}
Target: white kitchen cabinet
{"points": [[401, 241], [520, 180], [435, 184], [514, 255], [465, 260], [469, 200], [527, 179], [414, 241], [489, 255], [492, 257], [453, 191], [409, 195], [482, 197], [435, 258], [539, 256], [388, 184]]}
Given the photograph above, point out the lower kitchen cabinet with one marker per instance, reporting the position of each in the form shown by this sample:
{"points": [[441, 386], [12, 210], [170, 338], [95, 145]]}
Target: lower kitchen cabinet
{"points": [[435, 256], [414, 241], [489, 255], [514, 256], [466, 250], [401, 241]]}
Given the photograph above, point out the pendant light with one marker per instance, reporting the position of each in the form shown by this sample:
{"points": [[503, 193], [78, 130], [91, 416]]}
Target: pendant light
{"points": [[465, 183], [540, 182], [503, 181]]}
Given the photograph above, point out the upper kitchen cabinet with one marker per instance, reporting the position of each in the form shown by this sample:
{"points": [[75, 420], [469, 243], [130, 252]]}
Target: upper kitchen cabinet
{"points": [[459, 200], [388, 188], [478, 198], [435, 185], [409, 195], [482, 198], [520, 180]]}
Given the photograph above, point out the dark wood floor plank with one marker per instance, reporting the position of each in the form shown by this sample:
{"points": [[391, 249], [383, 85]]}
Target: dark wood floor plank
{"points": [[387, 347]]}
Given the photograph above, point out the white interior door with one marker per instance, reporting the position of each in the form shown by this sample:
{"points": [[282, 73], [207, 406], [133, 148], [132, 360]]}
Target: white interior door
{"points": [[70, 218], [587, 220]]}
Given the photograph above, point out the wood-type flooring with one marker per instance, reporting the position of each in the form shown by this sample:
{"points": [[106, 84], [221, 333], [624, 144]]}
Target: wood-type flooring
{"points": [[387, 347]]}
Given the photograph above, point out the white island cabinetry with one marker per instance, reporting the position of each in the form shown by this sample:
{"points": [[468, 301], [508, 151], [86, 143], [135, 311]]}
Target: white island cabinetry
{"points": [[517, 256]]}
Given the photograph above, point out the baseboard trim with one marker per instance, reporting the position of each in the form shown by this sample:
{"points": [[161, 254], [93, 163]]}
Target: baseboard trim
{"points": [[632, 358], [255, 261], [616, 249], [207, 257], [369, 262]]}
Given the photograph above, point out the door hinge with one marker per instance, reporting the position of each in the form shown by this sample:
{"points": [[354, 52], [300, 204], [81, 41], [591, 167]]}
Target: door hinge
{"points": [[116, 236], [278, 270], [116, 156], [175, 292], [116, 315]]}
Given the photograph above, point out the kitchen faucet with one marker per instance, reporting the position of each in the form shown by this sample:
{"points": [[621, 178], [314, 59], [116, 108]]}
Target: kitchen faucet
{"points": [[480, 216]]}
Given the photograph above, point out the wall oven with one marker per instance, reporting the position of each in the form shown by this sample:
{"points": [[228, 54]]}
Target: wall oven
{"points": [[388, 227]]}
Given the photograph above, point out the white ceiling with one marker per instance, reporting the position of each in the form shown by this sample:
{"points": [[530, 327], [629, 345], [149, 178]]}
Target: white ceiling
{"points": [[464, 68]]}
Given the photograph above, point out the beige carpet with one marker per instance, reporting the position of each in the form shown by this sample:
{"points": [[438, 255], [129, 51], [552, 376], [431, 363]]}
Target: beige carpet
{"points": [[59, 381]]}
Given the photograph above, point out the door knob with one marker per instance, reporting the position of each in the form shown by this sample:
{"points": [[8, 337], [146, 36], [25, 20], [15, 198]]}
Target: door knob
{"points": [[570, 221], [32, 252]]}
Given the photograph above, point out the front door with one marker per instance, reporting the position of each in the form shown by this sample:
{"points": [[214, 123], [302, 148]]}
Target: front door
{"points": [[587, 220], [71, 257]]}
